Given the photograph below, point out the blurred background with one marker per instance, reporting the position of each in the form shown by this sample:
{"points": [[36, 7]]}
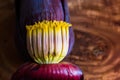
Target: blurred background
{"points": [[96, 51]]}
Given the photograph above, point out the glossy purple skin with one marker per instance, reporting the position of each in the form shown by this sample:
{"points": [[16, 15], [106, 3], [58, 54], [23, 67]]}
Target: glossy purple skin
{"points": [[30, 11], [60, 71]]}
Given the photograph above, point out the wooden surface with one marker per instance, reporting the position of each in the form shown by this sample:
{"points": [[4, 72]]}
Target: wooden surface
{"points": [[96, 51]]}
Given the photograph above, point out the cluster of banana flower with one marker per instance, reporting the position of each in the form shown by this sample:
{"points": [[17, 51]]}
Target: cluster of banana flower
{"points": [[44, 33]]}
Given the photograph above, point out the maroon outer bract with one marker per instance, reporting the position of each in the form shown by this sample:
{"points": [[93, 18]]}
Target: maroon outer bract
{"points": [[60, 71]]}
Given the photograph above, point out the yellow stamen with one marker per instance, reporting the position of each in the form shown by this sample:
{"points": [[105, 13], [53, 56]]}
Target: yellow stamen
{"points": [[46, 23]]}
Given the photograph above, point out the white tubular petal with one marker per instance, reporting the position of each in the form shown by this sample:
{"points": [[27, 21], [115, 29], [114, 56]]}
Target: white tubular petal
{"points": [[29, 43], [64, 44], [51, 43], [34, 43], [58, 43], [67, 35], [40, 45], [45, 43]]}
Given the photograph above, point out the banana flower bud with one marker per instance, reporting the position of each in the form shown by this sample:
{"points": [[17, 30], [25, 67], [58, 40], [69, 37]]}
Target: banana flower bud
{"points": [[44, 30]]}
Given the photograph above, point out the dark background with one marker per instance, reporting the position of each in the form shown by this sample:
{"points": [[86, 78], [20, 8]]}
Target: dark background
{"points": [[96, 51]]}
